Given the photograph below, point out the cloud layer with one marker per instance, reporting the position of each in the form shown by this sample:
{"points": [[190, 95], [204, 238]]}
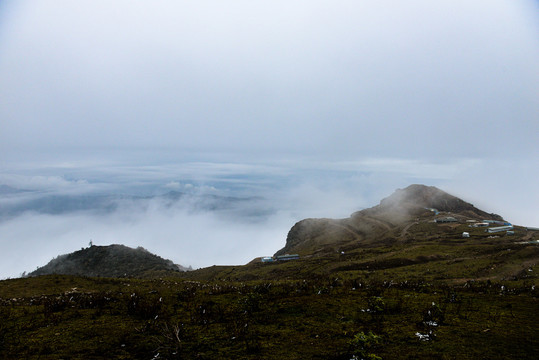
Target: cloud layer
{"points": [[422, 79]]}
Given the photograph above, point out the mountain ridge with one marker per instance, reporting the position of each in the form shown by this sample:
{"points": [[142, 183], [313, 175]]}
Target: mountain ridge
{"points": [[311, 236]]}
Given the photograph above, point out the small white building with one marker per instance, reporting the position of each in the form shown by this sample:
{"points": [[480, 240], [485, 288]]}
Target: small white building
{"points": [[465, 234], [500, 228], [287, 257], [481, 224], [447, 219]]}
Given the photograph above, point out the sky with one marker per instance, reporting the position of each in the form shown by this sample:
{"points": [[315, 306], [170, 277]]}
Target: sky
{"points": [[315, 108]]}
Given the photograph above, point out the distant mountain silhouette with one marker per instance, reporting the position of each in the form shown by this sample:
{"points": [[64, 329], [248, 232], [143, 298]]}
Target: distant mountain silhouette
{"points": [[58, 204], [8, 190], [109, 261]]}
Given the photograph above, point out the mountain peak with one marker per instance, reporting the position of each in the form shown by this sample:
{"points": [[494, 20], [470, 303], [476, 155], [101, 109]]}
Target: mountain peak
{"points": [[424, 196], [417, 196]]}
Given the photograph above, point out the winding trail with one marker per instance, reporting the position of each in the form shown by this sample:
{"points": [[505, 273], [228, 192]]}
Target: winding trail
{"points": [[406, 228], [379, 222], [350, 229]]}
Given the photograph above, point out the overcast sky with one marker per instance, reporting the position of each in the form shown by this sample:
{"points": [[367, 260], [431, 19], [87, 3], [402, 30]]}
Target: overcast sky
{"points": [[342, 100]]}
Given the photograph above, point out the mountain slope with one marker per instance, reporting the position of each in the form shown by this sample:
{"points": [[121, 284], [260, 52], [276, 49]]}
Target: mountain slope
{"points": [[109, 261], [399, 240], [384, 222]]}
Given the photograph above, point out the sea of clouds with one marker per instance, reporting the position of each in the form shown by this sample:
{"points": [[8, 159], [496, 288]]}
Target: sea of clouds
{"points": [[205, 213]]}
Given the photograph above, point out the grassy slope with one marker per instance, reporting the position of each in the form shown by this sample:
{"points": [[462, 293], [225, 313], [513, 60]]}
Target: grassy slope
{"points": [[483, 290], [128, 318], [426, 251]]}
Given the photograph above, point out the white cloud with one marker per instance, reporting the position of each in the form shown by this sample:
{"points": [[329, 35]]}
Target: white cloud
{"points": [[373, 78], [174, 185], [199, 238]]}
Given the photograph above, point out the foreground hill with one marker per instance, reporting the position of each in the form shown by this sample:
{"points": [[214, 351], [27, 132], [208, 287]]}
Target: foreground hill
{"points": [[109, 261]]}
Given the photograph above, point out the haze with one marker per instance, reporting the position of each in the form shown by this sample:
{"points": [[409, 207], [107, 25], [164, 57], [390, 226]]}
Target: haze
{"points": [[280, 110]]}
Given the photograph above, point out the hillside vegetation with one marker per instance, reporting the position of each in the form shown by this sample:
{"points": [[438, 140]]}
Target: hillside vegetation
{"points": [[109, 261], [389, 282]]}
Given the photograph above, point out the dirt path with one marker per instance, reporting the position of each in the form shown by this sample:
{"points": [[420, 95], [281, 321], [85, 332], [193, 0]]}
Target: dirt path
{"points": [[357, 234], [379, 222], [405, 230]]}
